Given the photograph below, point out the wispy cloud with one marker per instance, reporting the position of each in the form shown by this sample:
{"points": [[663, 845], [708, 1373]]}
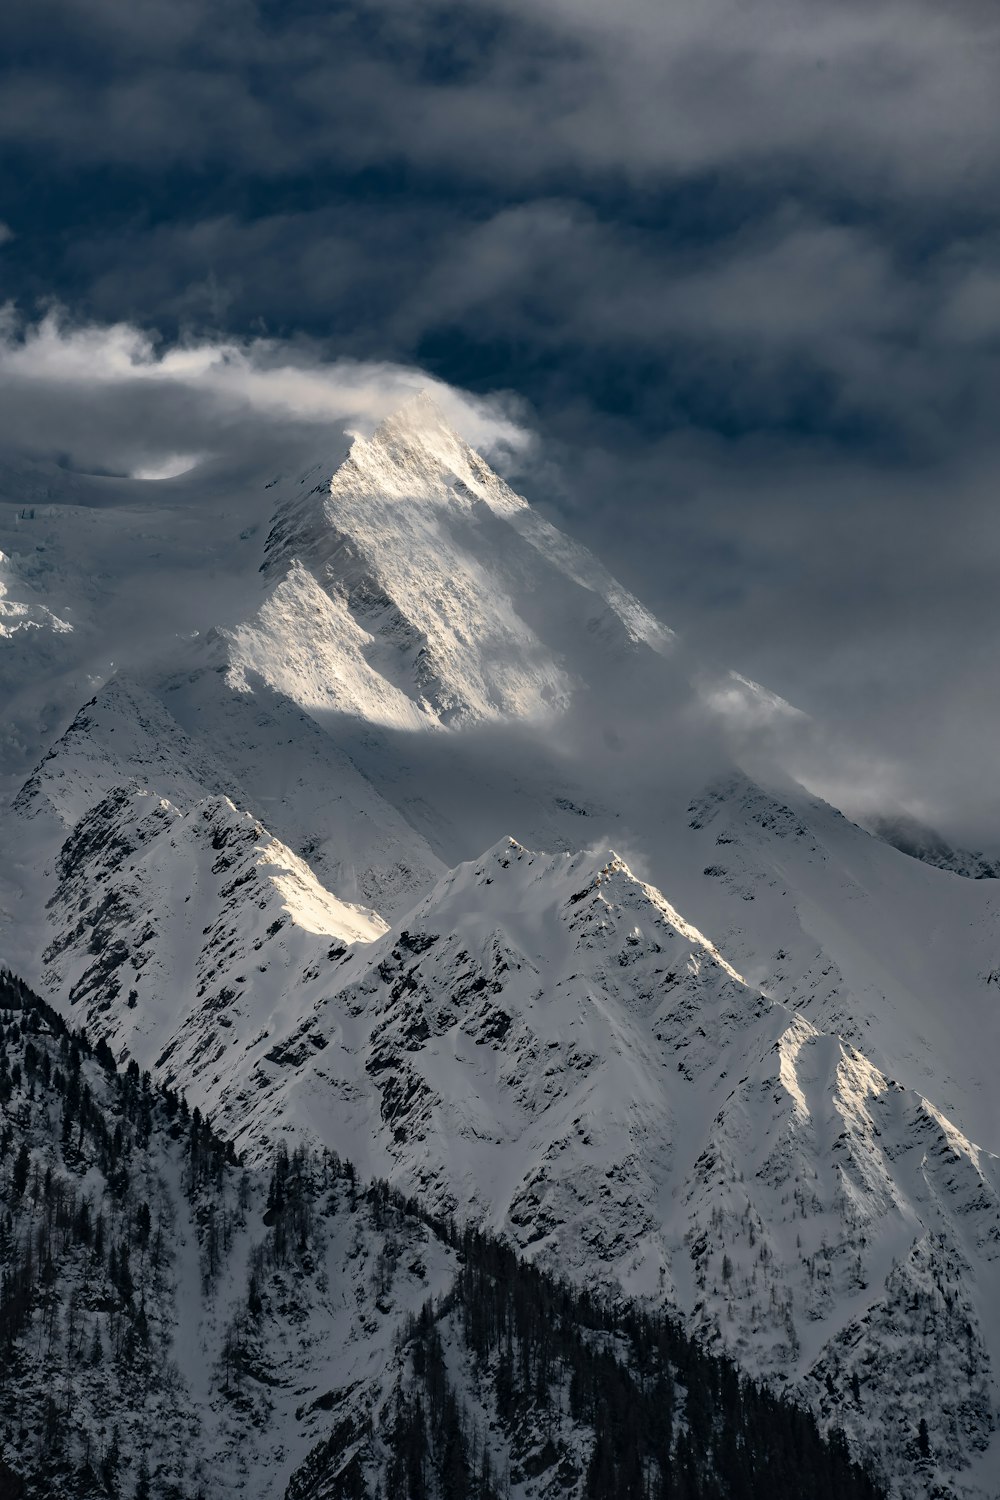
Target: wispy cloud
{"points": [[114, 396]]}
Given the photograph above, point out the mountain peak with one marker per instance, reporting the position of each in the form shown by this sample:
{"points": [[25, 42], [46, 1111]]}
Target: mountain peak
{"points": [[416, 415], [416, 454]]}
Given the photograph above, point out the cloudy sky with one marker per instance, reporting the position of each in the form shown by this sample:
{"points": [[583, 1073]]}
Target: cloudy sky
{"points": [[734, 263]]}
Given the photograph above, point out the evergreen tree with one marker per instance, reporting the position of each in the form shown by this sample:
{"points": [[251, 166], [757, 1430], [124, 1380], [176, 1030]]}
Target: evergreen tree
{"points": [[19, 1178]]}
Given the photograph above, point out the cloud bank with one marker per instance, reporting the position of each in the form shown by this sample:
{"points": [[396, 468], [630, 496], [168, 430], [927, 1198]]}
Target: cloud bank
{"points": [[113, 398]]}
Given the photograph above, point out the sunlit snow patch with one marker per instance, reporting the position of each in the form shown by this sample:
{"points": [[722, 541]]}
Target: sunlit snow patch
{"points": [[18, 613], [170, 467]]}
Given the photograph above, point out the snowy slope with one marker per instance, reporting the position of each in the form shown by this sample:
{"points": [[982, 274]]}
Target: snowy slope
{"points": [[126, 740], [448, 601], [135, 567], [183, 937], [898, 957]]}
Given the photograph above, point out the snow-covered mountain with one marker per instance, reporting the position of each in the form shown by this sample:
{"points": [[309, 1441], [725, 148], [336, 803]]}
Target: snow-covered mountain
{"points": [[743, 1067], [548, 1048], [418, 590]]}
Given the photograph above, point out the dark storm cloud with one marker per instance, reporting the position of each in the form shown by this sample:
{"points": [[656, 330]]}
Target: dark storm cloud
{"points": [[743, 260], [510, 88]]}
